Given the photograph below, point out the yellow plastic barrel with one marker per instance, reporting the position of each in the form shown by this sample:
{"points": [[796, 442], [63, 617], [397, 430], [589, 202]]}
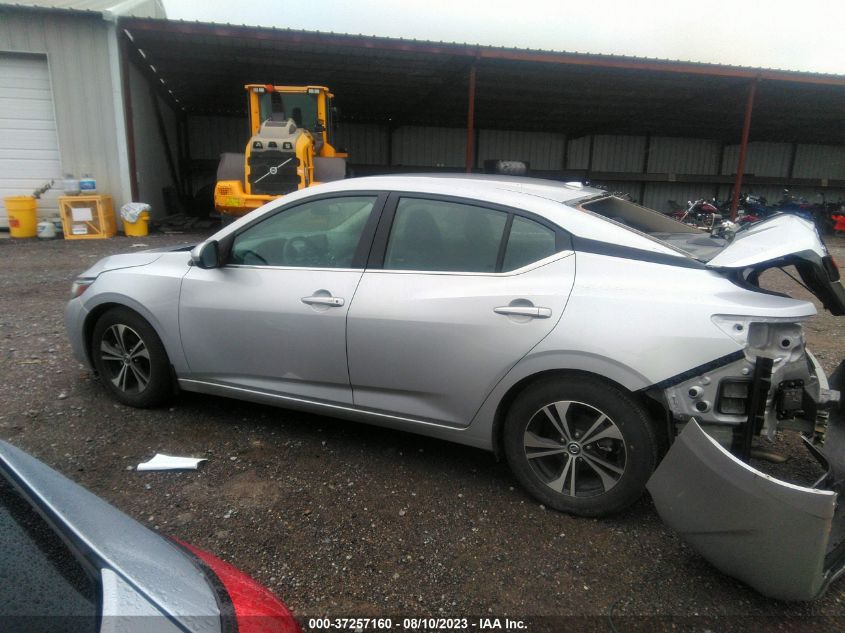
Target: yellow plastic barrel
{"points": [[138, 228], [23, 218]]}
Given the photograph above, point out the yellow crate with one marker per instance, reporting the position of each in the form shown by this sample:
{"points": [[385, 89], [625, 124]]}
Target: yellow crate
{"points": [[87, 217]]}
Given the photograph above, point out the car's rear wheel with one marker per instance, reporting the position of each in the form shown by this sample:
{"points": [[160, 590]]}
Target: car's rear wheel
{"points": [[580, 445], [130, 359]]}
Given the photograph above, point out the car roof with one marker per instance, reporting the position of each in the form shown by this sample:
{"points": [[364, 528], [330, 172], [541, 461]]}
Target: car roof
{"points": [[479, 186], [553, 200]]}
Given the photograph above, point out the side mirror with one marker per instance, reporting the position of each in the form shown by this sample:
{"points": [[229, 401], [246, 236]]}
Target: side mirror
{"points": [[206, 255]]}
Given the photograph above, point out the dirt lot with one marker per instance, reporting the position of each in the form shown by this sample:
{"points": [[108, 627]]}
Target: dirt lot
{"points": [[342, 519]]}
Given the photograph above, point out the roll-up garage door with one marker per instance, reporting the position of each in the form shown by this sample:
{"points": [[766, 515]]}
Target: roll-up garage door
{"points": [[29, 146]]}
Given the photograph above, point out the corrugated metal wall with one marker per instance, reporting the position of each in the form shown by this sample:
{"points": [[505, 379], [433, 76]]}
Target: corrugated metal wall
{"points": [[151, 166], [618, 153], [368, 144], [819, 161], [578, 155], [541, 150], [78, 56], [428, 146], [683, 155], [210, 136], [762, 159]]}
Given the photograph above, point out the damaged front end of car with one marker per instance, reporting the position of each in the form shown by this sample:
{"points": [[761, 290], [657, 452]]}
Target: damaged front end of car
{"points": [[785, 539]]}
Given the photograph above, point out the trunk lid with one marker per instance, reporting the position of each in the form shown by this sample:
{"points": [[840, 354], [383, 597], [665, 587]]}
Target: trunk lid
{"points": [[784, 240]]}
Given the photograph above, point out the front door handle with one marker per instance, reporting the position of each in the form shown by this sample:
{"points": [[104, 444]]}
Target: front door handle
{"points": [[529, 311], [322, 300]]}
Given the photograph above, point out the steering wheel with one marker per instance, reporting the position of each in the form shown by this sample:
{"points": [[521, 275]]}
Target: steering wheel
{"points": [[299, 251], [248, 258]]}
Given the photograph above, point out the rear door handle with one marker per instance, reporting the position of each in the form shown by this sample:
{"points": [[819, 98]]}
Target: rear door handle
{"points": [[322, 300], [529, 311]]}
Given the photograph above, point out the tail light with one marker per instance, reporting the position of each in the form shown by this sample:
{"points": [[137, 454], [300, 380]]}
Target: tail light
{"points": [[256, 609]]}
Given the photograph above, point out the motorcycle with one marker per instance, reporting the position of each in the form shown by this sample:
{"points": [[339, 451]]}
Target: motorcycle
{"points": [[700, 214]]}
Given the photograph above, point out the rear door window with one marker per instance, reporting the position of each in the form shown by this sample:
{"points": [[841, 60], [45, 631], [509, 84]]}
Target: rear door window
{"points": [[447, 236], [436, 235]]}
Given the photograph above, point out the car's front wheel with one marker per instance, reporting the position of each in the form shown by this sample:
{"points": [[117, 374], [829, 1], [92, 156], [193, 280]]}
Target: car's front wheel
{"points": [[130, 359], [580, 445]]}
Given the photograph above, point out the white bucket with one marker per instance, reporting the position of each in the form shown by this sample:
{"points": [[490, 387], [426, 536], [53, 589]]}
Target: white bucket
{"points": [[46, 230]]}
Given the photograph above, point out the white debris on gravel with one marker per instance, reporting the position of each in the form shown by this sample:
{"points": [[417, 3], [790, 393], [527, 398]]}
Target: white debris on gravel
{"points": [[171, 462]]}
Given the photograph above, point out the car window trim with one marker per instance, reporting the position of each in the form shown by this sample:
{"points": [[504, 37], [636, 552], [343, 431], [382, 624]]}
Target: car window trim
{"points": [[378, 251], [362, 250], [554, 257], [503, 243]]}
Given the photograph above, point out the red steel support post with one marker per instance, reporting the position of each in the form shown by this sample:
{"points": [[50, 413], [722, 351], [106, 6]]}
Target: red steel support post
{"points": [[471, 121], [743, 148]]}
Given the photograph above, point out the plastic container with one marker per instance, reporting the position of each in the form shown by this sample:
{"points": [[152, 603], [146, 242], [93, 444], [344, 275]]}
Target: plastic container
{"points": [[71, 185], [23, 219], [139, 227], [46, 230], [87, 185], [135, 216]]}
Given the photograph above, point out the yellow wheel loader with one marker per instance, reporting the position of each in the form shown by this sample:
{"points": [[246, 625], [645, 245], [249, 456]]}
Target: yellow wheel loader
{"points": [[290, 148]]}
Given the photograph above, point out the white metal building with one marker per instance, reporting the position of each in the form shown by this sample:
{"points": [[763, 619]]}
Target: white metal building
{"points": [[61, 109], [146, 105]]}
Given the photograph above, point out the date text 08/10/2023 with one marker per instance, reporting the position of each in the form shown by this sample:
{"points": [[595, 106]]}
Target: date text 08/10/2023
{"points": [[420, 624]]}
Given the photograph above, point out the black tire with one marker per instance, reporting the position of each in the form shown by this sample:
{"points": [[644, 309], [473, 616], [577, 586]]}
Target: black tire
{"points": [[611, 468], [130, 359]]}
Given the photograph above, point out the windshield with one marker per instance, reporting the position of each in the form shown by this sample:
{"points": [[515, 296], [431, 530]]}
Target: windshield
{"points": [[300, 107]]}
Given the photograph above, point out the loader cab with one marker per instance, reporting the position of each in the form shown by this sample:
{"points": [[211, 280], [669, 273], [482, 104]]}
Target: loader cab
{"points": [[310, 107], [302, 108]]}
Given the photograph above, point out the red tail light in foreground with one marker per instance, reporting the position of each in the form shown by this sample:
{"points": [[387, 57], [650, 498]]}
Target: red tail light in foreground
{"points": [[256, 609]]}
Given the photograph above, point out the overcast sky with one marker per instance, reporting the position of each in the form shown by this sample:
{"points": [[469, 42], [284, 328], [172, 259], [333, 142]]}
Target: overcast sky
{"points": [[791, 34]]}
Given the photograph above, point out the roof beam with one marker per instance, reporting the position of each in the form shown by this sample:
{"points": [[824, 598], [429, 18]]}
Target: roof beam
{"points": [[174, 28]]}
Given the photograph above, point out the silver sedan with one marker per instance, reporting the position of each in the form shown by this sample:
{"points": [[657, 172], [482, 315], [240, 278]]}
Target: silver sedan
{"points": [[577, 334]]}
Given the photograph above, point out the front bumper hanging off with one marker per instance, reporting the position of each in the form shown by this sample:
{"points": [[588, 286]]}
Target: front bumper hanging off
{"points": [[786, 541]]}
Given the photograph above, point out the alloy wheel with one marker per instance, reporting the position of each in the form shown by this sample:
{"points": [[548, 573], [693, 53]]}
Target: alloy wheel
{"points": [[575, 448], [126, 358]]}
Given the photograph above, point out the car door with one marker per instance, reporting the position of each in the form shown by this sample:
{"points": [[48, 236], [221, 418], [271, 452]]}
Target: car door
{"points": [[273, 317], [454, 295]]}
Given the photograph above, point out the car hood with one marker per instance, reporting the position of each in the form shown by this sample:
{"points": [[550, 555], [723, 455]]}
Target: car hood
{"points": [[131, 260], [127, 260]]}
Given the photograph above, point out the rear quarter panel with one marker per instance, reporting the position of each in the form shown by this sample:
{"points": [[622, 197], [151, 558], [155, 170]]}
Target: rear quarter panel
{"points": [[638, 323]]}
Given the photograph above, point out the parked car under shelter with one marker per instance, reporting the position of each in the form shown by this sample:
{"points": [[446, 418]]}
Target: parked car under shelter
{"points": [[599, 346]]}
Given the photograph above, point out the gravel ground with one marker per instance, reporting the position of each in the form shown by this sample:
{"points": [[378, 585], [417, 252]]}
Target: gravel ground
{"points": [[342, 519]]}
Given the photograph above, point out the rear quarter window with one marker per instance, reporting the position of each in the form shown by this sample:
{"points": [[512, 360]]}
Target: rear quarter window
{"points": [[528, 242]]}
